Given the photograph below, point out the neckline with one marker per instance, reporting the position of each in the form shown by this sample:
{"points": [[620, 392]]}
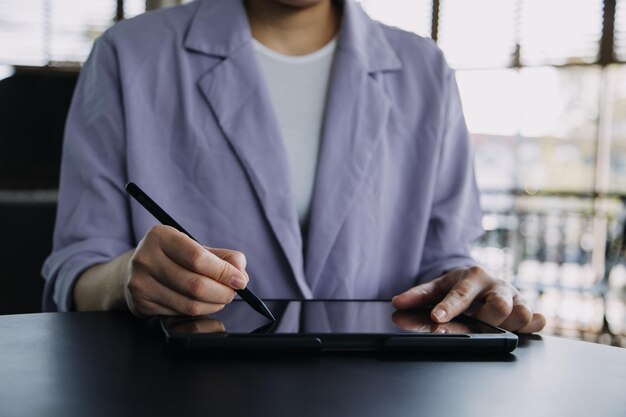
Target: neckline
{"points": [[324, 51]]}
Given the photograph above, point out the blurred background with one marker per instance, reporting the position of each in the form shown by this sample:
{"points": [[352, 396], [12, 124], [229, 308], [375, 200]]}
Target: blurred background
{"points": [[543, 84]]}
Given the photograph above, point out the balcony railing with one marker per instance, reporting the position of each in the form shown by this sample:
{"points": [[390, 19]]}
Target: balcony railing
{"points": [[565, 251]]}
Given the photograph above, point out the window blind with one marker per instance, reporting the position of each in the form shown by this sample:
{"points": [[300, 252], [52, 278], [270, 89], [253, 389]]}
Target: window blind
{"points": [[620, 30], [478, 33], [412, 15], [35, 32], [560, 31], [22, 32], [75, 25], [133, 8], [487, 33]]}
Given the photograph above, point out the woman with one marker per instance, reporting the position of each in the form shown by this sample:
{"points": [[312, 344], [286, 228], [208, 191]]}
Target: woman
{"points": [[328, 149]]}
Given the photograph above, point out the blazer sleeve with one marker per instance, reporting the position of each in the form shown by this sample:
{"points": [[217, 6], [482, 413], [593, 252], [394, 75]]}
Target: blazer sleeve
{"points": [[93, 221], [456, 216]]}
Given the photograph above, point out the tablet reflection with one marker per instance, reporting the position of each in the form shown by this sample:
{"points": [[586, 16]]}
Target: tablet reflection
{"points": [[319, 317], [420, 322], [203, 325]]}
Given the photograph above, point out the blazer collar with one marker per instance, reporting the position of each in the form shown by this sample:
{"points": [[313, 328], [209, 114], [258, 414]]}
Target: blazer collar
{"points": [[365, 39], [356, 113], [220, 27]]}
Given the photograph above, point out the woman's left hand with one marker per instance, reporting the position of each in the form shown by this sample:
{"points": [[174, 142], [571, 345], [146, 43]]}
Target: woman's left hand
{"points": [[472, 291]]}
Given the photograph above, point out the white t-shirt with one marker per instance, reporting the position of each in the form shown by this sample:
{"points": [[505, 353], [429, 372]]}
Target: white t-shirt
{"points": [[298, 88]]}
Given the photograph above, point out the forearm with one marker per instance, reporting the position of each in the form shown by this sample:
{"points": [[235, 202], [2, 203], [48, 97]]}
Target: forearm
{"points": [[101, 287]]}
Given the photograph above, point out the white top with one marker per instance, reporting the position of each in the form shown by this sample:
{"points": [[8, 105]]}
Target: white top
{"points": [[297, 87]]}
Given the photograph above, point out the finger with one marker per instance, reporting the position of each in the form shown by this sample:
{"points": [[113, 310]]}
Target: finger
{"points": [[520, 316], [537, 323], [425, 294], [453, 327], [233, 257], [192, 285], [498, 305], [147, 292], [194, 257], [459, 298]]}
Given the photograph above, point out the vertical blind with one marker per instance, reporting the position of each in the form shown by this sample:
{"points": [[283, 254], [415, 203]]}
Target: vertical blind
{"points": [[620, 30], [560, 31], [479, 33], [36, 32], [73, 26], [547, 32], [473, 34], [411, 15], [22, 32]]}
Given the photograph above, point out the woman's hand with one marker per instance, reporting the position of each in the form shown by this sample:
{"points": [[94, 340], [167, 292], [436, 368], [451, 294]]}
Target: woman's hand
{"points": [[171, 274], [472, 291]]}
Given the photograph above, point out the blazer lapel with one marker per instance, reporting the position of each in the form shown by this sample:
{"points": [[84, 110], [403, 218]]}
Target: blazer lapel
{"points": [[236, 93], [356, 115]]}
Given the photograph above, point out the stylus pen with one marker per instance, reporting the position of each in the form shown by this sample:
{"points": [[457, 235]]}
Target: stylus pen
{"points": [[160, 214]]}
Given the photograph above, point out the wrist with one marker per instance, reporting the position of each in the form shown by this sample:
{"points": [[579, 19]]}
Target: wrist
{"points": [[101, 287], [116, 299]]}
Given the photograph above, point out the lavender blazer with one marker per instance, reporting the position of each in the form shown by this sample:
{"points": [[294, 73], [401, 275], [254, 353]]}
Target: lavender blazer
{"points": [[174, 101]]}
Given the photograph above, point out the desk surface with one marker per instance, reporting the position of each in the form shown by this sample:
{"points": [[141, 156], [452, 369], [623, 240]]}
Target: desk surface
{"points": [[111, 364]]}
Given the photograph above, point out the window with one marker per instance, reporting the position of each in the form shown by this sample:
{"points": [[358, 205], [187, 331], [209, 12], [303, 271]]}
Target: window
{"points": [[620, 30], [36, 32], [616, 87], [548, 118], [22, 30], [469, 42], [560, 31], [411, 15]]}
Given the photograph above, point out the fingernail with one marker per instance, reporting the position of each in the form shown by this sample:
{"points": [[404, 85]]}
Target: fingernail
{"points": [[440, 314], [238, 283]]}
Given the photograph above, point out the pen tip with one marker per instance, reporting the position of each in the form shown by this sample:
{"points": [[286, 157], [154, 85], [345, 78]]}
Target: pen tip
{"points": [[267, 313]]}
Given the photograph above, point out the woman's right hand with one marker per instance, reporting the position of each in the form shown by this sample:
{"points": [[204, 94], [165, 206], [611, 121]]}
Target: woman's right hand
{"points": [[171, 274]]}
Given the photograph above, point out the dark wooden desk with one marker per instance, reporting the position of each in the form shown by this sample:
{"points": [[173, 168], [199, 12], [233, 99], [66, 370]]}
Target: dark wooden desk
{"points": [[111, 364]]}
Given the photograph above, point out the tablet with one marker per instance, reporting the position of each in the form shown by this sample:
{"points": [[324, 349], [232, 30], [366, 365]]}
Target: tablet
{"points": [[331, 326]]}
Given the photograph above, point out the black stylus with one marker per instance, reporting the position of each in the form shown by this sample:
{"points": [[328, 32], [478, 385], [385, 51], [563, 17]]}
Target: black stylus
{"points": [[160, 214]]}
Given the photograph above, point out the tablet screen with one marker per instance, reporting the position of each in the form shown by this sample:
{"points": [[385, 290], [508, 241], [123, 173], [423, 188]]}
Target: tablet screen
{"points": [[324, 317]]}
